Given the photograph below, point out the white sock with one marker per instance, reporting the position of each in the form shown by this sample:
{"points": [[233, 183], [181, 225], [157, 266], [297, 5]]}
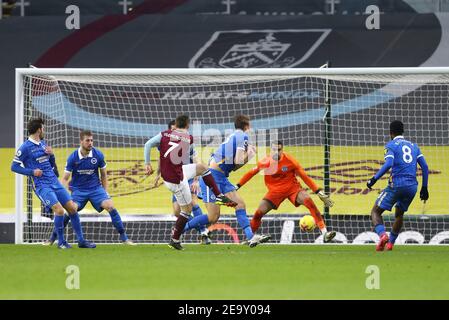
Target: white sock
{"points": [[324, 230]]}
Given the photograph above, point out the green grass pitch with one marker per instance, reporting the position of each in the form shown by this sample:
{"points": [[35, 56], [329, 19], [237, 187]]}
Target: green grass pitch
{"points": [[224, 272]]}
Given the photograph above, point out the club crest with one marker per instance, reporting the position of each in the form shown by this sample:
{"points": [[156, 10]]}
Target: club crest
{"points": [[258, 48]]}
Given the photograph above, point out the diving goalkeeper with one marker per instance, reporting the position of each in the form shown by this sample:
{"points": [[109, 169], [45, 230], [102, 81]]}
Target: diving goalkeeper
{"points": [[280, 172]]}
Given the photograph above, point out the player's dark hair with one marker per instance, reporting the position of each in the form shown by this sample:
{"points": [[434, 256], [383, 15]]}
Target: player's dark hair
{"points": [[241, 121], [182, 121], [171, 123], [278, 142], [85, 133], [396, 128], [34, 125]]}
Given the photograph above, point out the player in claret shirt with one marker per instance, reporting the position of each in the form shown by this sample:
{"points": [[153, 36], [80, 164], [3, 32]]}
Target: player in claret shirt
{"points": [[176, 170], [281, 172], [33, 159], [84, 165], [230, 156], [402, 157]]}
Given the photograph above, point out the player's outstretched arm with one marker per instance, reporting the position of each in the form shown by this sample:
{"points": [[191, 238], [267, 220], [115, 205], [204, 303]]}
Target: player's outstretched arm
{"points": [[312, 185], [387, 166], [247, 176], [424, 193]]}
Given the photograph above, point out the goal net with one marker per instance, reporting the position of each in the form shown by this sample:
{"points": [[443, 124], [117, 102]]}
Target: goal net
{"points": [[335, 123]]}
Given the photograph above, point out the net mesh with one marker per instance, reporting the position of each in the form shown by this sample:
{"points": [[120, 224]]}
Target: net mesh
{"points": [[124, 111]]}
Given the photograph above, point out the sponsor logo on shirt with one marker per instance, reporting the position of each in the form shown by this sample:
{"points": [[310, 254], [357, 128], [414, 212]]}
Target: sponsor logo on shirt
{"points": [[86, 171], [43, 159]]}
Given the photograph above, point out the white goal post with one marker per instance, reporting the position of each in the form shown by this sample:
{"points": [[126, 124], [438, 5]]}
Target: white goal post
{"points": [[339, 141]]}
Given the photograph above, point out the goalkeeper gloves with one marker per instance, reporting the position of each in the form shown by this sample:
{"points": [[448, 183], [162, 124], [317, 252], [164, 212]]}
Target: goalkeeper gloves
{"points": [[424, 194], [325, 198], [371, 182]]}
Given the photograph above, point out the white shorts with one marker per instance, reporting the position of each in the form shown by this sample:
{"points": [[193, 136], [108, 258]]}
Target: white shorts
{"points": [[182, 190]]}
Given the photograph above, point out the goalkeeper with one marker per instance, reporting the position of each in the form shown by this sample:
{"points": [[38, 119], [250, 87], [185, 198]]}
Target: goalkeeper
{"points": [[281, 171]]}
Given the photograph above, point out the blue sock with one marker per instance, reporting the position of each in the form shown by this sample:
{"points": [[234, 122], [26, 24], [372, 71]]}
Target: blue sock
{"points": [[118, 224], [66, 219], [196, 210], [76, 225], [197, 222], [54, 235], [380, 229], [243, 221], [59, 227], [393, 237]]}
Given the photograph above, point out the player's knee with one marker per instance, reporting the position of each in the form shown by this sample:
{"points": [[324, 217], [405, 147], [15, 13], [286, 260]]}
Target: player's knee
{"points": [[108, 205], [376, 211], [306, 201], [187, 208], [59, 211], [240, 205], [213, 219], [72, 207]]}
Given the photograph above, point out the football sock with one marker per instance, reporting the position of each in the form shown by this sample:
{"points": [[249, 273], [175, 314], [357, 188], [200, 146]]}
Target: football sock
{"points": [[393, 237], [179, 225], [380, 229], [59, 227], [66, 219], [197, 222], [243, 222], [210, 182], [76, 225], [256, 221], [54, 235], [118, 224], [196, 210]]}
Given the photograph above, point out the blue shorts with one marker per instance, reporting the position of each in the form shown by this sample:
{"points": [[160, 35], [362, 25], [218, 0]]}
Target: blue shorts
{"points": [[52, 194], [95, 196], [402, 197], [222, 183], [173, 198]]}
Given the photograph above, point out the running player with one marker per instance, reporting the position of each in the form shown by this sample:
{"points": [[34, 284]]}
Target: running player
{"points": [[176, 170], [402, 157], [281, 171]]}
